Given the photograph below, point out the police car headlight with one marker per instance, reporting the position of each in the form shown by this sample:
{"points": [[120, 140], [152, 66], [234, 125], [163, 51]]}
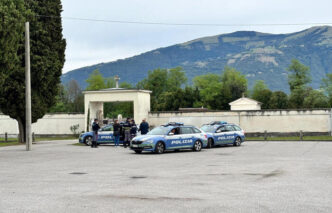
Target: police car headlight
{"points": [[148, 141]]}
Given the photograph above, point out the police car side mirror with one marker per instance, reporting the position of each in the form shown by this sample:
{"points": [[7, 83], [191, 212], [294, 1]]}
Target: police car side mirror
{"points": [[171, 133]]}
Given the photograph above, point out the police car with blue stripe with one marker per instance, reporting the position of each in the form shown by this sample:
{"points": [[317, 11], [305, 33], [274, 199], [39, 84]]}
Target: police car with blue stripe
{"points": [[172, 136], [223, 133], [105, 136]]}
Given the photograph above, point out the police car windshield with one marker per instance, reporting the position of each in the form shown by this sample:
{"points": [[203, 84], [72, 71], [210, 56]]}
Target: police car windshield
{"points": [[160, 130], [208, 128]]}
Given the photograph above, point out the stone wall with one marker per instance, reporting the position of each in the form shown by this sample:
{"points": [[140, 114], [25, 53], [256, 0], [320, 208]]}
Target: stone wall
{"points": [[50, 124], [272, 121], [253, 122]]}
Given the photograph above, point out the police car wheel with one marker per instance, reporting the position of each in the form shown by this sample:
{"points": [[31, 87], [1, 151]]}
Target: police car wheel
{"points": [[160, 148], [197, 146], [237, 141], [138, 151], [210, 143], [88, 141]]}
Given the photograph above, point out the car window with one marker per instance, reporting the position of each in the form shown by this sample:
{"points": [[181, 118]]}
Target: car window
{"points": [[221, 129], [186, 130], [229, 128], [208, 128], [237, 128], [175, 131], [107, 128], [196, 130], [160, 130]]}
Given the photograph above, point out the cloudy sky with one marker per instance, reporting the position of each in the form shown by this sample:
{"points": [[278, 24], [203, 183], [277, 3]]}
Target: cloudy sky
{"points": [[92, 42]]}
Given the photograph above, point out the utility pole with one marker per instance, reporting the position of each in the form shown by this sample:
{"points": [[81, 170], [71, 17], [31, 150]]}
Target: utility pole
{"points": [[28, 137]]}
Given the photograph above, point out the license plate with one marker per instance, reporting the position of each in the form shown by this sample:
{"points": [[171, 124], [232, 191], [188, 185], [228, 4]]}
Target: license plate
{"points": [[135, 146]]}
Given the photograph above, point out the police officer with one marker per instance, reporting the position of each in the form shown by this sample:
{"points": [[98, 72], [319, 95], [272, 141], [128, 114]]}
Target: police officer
{"points": [[133, 129], [144, 127], [95, 128], [116, 132], [126, 128]]}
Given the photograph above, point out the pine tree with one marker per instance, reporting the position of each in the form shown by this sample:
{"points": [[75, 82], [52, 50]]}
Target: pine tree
{"points": [[47, 60]]}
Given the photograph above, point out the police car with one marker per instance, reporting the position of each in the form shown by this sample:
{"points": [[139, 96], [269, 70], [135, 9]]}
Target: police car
{"points": [[105, 136], [172, 136], [222, 133]]}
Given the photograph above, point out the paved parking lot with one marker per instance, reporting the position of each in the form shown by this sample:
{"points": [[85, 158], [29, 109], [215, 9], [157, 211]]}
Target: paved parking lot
{"points": [[256, 177]]}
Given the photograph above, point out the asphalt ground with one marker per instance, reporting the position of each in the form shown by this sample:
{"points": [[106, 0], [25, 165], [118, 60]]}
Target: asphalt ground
{"points": [[256, 177]]}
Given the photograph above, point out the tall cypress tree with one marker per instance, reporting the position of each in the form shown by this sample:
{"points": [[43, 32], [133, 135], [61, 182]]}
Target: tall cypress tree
{"points": [[47, 60]]}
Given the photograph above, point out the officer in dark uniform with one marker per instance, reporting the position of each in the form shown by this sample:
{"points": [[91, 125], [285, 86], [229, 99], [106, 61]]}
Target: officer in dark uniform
{"points": [[133, 129], [95, 128], [126, 127]]}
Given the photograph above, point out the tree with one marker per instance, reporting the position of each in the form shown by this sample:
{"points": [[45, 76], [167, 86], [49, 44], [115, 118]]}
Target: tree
{"points": [[160, 81], [298, 78], [47, 58], [96, 81], [278, 100], [191, 97], [69, 99], [126, 85], [315, 99], [327, 87], [234, 85], [176, 77], [12, 18], [262, 94], [209, 87], [75, 97], [257, 88], [61, 101]]}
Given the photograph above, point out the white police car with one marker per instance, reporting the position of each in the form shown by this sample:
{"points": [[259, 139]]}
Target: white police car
{"points": [[222, 133], [172, 136]]}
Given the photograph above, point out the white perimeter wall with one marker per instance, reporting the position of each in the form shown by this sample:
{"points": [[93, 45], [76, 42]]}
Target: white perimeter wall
{"points": [[254, 121], [284, 121], [50, 124]]}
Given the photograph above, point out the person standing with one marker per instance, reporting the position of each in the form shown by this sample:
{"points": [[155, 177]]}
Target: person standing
{"points": [[133, 130], [95, 128], [116, 132], [144, 127], [126, 127]]}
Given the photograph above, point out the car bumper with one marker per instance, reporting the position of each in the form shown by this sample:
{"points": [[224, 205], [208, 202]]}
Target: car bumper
{"points": [[141, 147]]}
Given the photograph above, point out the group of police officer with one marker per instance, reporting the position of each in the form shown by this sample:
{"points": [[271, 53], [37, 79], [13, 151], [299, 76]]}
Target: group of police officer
{"points": [[128, 130]]}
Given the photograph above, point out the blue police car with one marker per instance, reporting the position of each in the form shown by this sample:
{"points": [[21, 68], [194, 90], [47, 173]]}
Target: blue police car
{"points": [[222, 133], [172, 136], [105, 136]]}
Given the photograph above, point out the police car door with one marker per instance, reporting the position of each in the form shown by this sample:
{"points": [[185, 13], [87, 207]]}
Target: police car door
{"points": [[173, 139], [229, 134], [187, 137], [105, 134], [220, 136]]}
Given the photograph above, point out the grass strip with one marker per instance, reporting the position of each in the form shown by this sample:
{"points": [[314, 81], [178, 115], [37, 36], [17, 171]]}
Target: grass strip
{"points": [[292, 138], [10, 143]]}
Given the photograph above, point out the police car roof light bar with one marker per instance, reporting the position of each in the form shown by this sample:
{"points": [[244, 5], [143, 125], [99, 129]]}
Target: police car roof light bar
{"points": [[218, 122], [174, 124]]}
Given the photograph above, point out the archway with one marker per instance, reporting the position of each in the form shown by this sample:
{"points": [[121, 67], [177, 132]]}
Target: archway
{"points": [[94, 102]]}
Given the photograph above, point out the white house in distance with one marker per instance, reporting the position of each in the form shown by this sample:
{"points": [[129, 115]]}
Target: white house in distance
{"points": [[245, 104]]}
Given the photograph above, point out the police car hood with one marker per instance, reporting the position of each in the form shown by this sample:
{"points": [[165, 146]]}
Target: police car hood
{"points": [[146, 137]]}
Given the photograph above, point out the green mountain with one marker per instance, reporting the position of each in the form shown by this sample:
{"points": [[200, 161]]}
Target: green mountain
{"points": [[259, 56]]}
